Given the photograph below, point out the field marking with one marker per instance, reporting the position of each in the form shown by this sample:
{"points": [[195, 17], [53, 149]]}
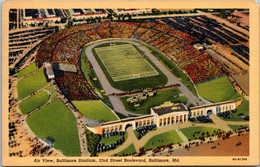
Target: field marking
{"points": [[151, 71]]}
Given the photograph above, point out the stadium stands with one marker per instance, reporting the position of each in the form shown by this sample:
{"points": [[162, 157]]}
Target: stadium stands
{"points": [[174, 38]]}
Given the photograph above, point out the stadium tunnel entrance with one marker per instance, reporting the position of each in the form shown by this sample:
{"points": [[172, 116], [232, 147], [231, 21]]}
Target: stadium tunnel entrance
{"points": [[209, 112]]}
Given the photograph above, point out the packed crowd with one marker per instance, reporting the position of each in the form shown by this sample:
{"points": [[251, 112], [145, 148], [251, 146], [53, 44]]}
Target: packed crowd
{"points": [[74, 86], [172, 36]]}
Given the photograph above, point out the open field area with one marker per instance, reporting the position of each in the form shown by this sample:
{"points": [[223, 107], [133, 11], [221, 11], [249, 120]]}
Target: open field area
{"points": [[110, 140], [30, 84], [55, 120], [95, 109], [158, 99], [51, 91], [32, 67], [223, 148], [137, 81], [128, 150], [163, 139], [33, 102], [124, 62], [37, 100], [218, 90], [196, 132]]}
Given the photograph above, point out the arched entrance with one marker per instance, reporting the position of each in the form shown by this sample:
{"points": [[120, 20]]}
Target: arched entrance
{"points": [[128, 125], [209, 112]]}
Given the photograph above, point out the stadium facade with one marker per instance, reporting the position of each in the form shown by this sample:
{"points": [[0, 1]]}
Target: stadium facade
{"points": [[165, 115]]}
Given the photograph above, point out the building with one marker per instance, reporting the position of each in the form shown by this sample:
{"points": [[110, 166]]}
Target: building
{"points": [[198, 46], [50, 141], [49, 71], [170, 114], [163, 115], [64, 67], [213, 108]]}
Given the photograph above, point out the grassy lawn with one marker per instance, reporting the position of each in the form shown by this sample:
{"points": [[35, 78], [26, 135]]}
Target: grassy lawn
{"points": [[92, 78], [32, 67], [36, 100], [128, 150], [31, 84], [110, 140], [95, 109], [56, 120], [195, 132], [158, 99], [132, 84], [243, 108], [218, 90], [173, 68], [163, 139], [33, 102], [50, 88], [236, 127], [121, 116]]}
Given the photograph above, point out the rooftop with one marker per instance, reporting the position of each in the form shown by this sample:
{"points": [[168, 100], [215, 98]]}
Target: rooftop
{"points": [[168, 107], [64, 67], [126, 119], [209, 105]]}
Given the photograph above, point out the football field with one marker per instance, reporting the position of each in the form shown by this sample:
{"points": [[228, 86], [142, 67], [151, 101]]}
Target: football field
{"points": [[124, 62]]}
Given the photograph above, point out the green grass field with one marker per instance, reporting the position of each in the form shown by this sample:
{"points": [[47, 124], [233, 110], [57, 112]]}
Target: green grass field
{"points": [[188, 132], [163, 139], [160, 98], [236, 127], [218, 90], [110, 139], [53, 93], [132, 84], [124, 62], [30, 84], [121, 116], [95, 110], [128, 150], [32, 67], [36, 100], [33, 102], [56, 120]]}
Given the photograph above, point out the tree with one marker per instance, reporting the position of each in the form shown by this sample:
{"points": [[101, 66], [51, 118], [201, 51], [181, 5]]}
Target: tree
{"points": [[68, 25], [93, 141]]}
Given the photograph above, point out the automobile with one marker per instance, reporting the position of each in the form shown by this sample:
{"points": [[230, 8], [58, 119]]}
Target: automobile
{"points": [[238, 143], [213, 147]]}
